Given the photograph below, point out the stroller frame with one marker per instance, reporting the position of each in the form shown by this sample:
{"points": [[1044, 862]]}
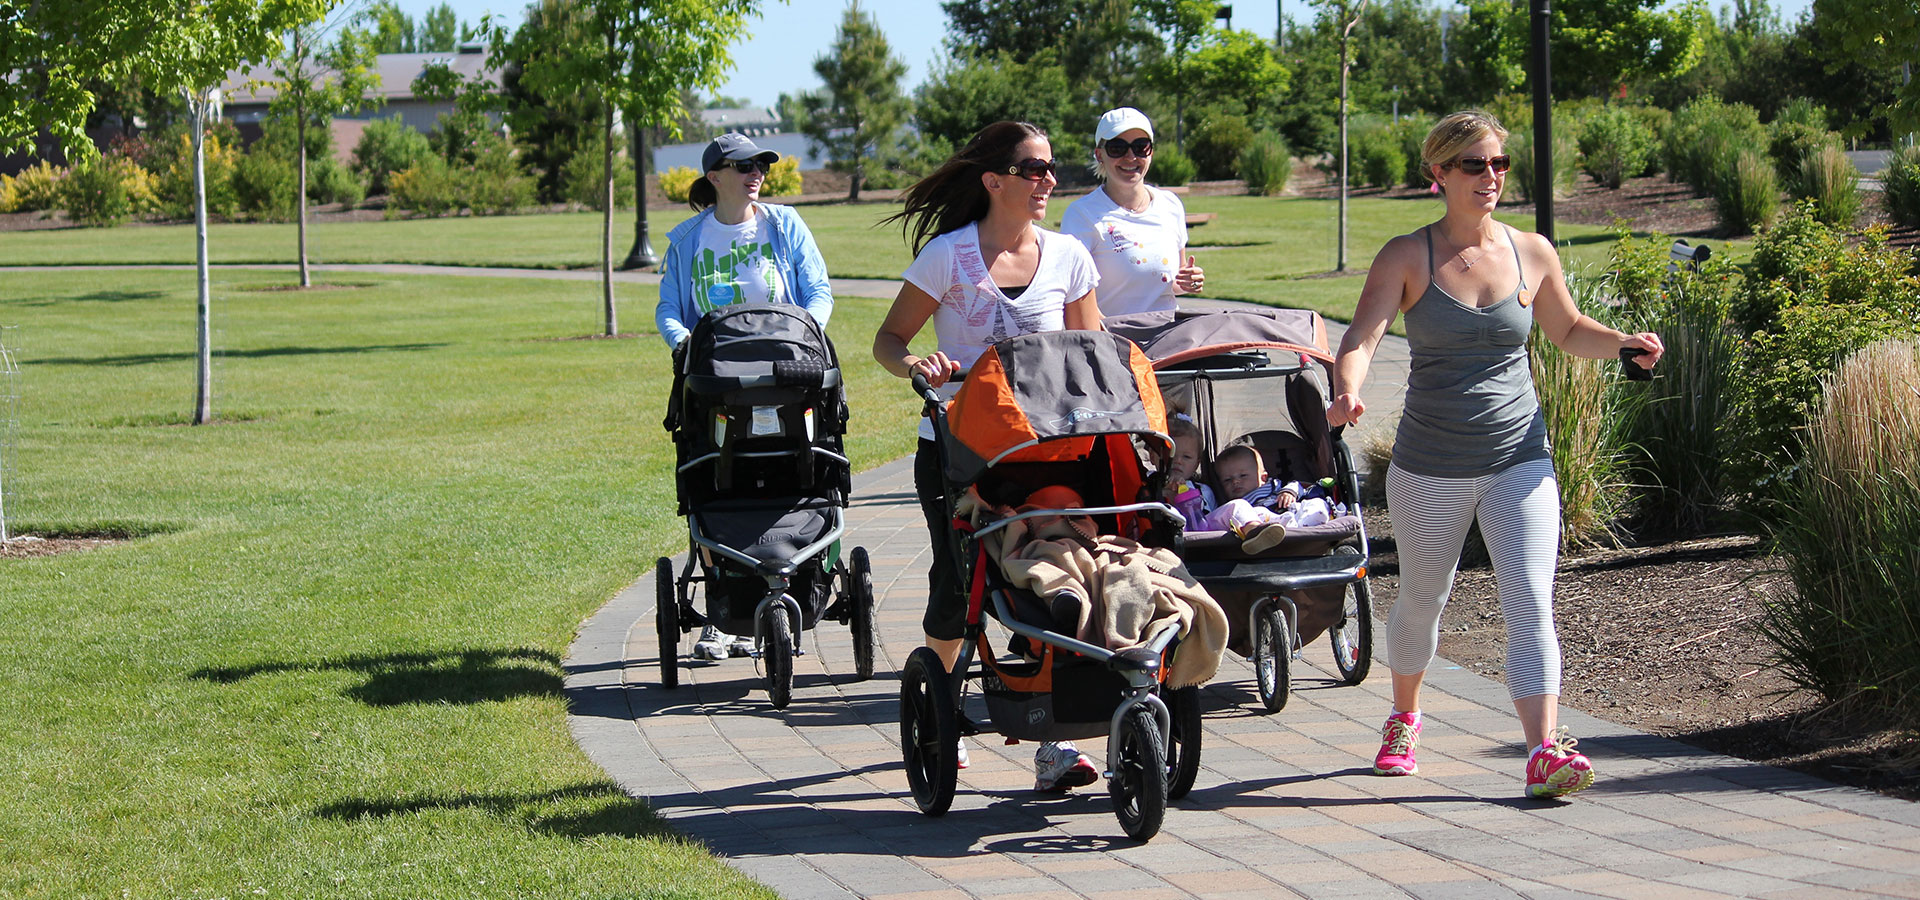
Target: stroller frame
{"points": [[1152, 733]]}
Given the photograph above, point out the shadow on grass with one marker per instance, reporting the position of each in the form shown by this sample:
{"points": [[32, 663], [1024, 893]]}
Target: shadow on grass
{"points": [[109, 296], [448, 676], [141, 359], [596, 809]]}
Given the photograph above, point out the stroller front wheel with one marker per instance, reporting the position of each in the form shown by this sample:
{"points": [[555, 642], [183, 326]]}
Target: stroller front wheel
{"points": [[1272, 656], [1183, 751], [1138, 784], [666, 620], [929, 731], [860, 596], [778, 654]]}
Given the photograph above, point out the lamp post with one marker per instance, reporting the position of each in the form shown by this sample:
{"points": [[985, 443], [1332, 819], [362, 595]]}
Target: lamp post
{"points": [[1225, 12], [642, 255], [1542, 121]]}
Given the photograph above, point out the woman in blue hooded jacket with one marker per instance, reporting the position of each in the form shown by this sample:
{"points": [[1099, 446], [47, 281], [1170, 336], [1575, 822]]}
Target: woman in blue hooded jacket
{"points": [[737, 249]]}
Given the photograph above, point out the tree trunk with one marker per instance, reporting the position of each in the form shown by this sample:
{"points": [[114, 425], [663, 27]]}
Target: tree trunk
{"points": [[606, 224], [197, 104], [300, 119], [853, 184]]}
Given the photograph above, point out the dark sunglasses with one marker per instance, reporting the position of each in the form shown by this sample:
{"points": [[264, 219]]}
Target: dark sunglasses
{"points": [[1033, 169], [744, 166], [1475, 165], [1117, 148]]}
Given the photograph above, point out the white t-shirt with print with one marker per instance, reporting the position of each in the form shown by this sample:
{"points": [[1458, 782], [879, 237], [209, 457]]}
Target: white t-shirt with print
{"points": [[974, 313], [1136, 253], [734, 264]]}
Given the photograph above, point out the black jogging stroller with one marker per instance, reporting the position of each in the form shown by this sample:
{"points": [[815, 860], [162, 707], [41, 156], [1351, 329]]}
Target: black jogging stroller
{"points": [[1248, 376], [758, 416], [1077, 409]]}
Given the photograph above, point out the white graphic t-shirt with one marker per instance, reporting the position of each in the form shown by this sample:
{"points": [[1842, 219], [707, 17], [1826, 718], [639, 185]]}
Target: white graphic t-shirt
{"points": [[974, 313], [1136, 253], [734, 264]]}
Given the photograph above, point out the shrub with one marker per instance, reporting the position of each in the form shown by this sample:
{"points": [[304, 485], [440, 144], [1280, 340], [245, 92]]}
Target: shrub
{"points": [[495, 185], [1852, 542], [583, 178], [37, 187], [1704, 133], [266, 186], [1266, 164], [1520, 181], [1814, 294], [174, 186], [1674, 422], [1216, 145], [675, 183], [1790, 143], [1746, 193], [1901, 186], [783, 180], [1830, 180], [1171, 167], [386, 147], [427, 188], [95, 193], [329, 181], [1410, 133], [1615, 145], [1584, 430], [1376, 158]]}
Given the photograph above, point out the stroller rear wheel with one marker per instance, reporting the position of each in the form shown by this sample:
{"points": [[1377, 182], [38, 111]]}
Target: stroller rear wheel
{"points": [[666, 621], [1352, 636], [778, 655], [1272, 655], [860, 596], [929, 731], [1183, 751], [1138, 785]]}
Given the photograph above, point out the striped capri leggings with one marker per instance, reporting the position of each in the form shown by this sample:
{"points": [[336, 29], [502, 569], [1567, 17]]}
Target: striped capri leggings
{"points": [[1519, 512]]}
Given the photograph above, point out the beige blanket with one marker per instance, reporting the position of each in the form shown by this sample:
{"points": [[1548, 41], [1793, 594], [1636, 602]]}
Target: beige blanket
{"points": [[1124, 591]]}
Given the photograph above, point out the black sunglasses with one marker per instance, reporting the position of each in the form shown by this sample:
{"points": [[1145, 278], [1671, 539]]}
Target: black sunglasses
{"points": [[1117, 148], [1475, 165], [744, 166], [1033, 169]]}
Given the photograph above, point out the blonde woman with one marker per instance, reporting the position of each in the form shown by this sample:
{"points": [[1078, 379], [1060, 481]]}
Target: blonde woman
{"points": [[1137, 233], [1472, 443]]}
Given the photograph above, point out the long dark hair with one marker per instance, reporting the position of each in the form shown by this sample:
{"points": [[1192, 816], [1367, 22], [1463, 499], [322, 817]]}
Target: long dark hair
{"points": [[953, 196], [701, 193]]}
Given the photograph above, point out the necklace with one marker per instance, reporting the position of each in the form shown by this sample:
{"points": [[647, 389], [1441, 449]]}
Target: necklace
{"points": [[1470, 263]]}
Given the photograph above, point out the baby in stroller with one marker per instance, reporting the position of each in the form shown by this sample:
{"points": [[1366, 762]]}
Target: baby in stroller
{"points": [[1259, 509]]}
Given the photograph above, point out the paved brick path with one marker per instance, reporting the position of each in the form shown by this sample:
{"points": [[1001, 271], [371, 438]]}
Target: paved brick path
{"points": [[813, 801]]}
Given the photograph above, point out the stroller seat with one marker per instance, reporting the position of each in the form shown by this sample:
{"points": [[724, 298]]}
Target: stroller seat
{"points": [[768, 530], [1302, 541]]}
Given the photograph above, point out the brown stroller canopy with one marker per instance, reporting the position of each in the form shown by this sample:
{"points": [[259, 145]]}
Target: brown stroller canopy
{"points": [[1176, 336]]}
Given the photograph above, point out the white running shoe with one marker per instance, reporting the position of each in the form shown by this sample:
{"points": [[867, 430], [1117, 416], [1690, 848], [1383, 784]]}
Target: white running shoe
{"points": [[712, 644], [741, 645], [1058, 767], [964, 761]]}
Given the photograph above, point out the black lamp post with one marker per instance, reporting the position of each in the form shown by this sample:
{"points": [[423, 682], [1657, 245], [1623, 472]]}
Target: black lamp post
{"points": [[1542, 121], [1225, 12], [641, 256]]}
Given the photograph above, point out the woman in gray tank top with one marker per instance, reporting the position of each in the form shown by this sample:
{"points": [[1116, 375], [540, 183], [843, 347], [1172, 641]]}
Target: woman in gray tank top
{"points": [[1471, 442]]}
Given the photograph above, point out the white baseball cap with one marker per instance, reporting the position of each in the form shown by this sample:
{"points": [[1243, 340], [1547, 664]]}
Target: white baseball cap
{"points": [[1117, 122]]}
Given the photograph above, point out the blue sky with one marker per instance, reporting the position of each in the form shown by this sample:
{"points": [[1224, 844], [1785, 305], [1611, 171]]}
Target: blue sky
{"points": [[778, 57]]}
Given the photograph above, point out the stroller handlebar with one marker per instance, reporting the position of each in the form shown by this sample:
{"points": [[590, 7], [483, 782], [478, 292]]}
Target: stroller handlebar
{"points": [[1160, 509]]}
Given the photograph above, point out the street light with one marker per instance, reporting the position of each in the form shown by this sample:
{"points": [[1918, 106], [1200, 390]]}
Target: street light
{"points": [[1225, 12], [641, 256]]}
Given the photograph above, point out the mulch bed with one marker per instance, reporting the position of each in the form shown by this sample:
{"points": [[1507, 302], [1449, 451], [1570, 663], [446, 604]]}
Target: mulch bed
{"points": [[25, 546]]}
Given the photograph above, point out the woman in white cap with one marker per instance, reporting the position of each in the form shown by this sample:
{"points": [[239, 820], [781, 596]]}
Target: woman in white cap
{"points": [[736, 250], [1137, 233]]}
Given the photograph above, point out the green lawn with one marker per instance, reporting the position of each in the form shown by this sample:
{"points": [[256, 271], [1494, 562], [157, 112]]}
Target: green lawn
{"points": [[1275, 251], [331, 665]]}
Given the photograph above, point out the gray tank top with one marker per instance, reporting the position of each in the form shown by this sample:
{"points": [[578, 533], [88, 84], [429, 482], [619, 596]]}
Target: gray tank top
{"points": [[1470, 407]]}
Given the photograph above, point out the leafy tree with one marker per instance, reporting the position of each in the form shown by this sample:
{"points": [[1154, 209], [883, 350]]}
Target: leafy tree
{"points": [[1021, 29], [969, 91], [315, 80], [560, 121], [643, 61], [1186, 26], [1240, 69], [439, 31], [1598, 45], [393, 30], [1878, 33], [855, 116]]}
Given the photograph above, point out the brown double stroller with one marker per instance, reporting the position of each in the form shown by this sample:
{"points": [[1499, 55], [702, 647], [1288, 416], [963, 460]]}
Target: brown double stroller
{"points": [[1248, 377]]}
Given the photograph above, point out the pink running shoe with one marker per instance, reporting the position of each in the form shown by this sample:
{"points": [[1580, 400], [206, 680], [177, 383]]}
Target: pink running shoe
{"points": [[1397, 740], [1556, 769]]}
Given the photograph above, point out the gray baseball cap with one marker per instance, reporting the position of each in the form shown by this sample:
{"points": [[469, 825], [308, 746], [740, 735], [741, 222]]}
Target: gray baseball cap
{"points": [[730, 147]]}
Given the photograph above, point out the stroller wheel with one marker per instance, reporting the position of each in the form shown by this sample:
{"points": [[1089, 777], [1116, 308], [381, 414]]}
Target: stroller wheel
{"points": [[1272, 653], [1138, 785], [860, 598], [929, 731], [1352, 636], [666, 620], [778, 655], [1183, 751]]}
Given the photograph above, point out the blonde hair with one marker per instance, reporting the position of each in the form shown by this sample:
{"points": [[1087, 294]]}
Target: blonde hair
{"points": [[1453, 133]]}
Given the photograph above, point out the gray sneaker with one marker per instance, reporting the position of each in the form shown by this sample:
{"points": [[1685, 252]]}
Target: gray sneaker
{"points": [[1058, 767], [712, 644], [740, 645]]}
